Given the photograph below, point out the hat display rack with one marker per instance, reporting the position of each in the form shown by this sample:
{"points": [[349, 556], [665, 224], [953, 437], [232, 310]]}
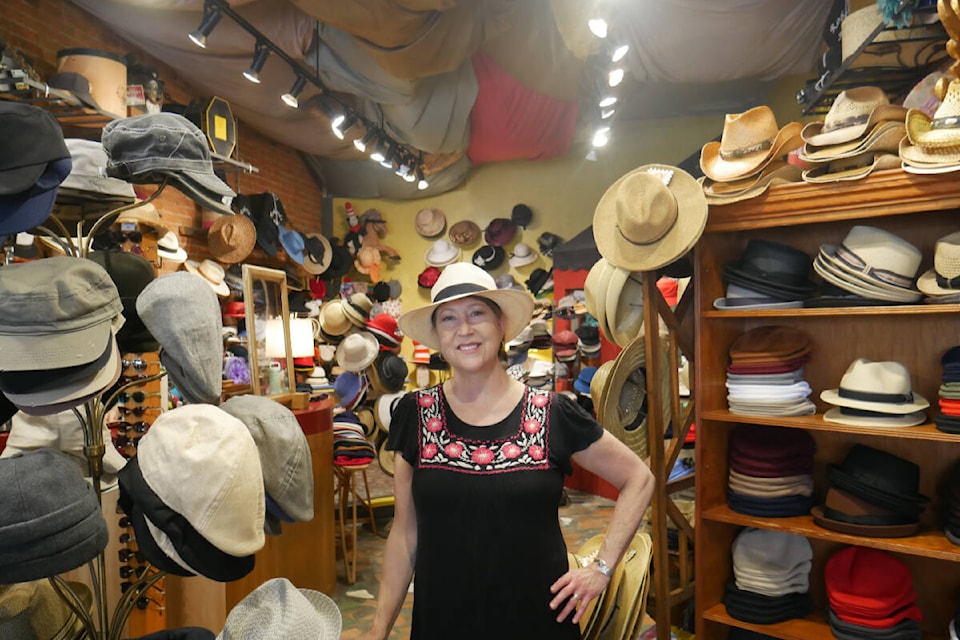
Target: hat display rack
{"points": [[101, 625]]}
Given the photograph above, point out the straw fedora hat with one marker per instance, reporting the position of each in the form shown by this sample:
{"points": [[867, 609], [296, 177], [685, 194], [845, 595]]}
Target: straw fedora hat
{"points": [[310, 265], [595, 293], [146, 215], [231, 238], [357, 351], [853, 113], [649, 217], [944, 277], [750, 140], [430, 222], [866, 378], [464, 233], [333, 318], [212, 273], [460, 280]]}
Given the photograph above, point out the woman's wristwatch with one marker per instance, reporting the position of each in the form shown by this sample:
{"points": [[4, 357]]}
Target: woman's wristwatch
{"points": [[603, 567]]}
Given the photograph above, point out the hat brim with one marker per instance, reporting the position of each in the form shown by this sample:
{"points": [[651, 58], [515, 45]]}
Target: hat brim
{"points": [[927, 283], [516, 309], [30, 352], [885, 136], [205, 189], [846, 281], [615, 419], [318, 268], [828, 258], [744, 304], [595, 294], [869, 531], [823, 174], [444, 260], [918, 403], [689, 225], [918, 157], [813, 134], [720, 170], [921, 133], [623, 306]]}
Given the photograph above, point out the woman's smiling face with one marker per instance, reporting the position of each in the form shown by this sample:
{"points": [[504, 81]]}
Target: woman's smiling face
{"points": [[469, 331]]}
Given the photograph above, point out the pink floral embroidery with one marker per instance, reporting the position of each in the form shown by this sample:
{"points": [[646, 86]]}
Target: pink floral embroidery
{"points": [[482, 455], [434, 425], [429, 450], [536, 452], [426, 401], [540, 400], [511, 451], [453, 450], [532, 425]]}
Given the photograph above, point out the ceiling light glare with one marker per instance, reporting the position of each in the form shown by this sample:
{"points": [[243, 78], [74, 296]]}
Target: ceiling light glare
{"points": [[211, 16], [361, 143], [379, 154], [607, 113], [619, 52], [601, 137], [609, 101], [615, 77], [598, 27], [259, 59], [422, 183]]}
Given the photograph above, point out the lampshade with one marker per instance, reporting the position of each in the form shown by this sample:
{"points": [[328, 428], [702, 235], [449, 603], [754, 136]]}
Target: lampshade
{"points": [[301, 337], [275, 344]]}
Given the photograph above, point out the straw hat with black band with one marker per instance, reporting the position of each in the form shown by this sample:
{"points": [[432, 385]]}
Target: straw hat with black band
{"points": [[460, 280], [649, 217], [750, 141]]}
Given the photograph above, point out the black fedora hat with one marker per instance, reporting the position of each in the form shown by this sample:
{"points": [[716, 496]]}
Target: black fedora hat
{"points": [[881, 478], [391, 371], [774, 264], [488, 257], [538, 278]]}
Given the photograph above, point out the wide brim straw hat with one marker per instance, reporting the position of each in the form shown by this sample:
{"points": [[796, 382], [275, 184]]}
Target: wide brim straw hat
{"points": [[941, 130], [854, 168], [595, 294], [853, 113], [917, 159], [318, 268], [146, 215], [461, 280], [430, 222], [231, 238], [598, 387], [649, 217], [776, 173], [623, 307], [750, 140], [885, 136], [464, 233]]}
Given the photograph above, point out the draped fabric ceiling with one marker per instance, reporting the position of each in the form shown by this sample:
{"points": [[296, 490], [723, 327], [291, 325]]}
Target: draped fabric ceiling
{"points": [[467, 81]]}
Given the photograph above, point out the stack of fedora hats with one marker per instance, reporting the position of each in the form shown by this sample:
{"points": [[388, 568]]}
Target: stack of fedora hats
{"points": [[860, 134], [771, 572], [614, 297], [765, 374], [872, 493], [58, 325], [871, 264], [749, 156], [870, 595], [855, 505], [932, 145], [767, 275], [950, 496], [941, 284], [770, 471], [948, 417], [350, 444], [875, 394]]}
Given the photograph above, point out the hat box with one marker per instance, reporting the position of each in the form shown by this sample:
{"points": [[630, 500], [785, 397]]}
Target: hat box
{"points": [[106, 72], [215, 119]]}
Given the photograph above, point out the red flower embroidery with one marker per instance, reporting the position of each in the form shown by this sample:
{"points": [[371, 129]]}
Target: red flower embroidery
{"points": [[536, 452], [532, 425], [434, 425], [453, 450], [429, 451], [482, 456], [540, 400], [426, 401], [511, 451]]}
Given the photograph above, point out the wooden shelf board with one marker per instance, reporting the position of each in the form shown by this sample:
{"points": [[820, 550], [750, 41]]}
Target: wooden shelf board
{"points": [[683, 483], [816, 422], [883, 193], [835, 312], [928, 544], [811, 628]]}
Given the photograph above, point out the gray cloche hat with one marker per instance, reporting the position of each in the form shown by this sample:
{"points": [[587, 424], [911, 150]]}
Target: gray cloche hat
{"points": [[277, 609], [284, 458], [183, 313]]}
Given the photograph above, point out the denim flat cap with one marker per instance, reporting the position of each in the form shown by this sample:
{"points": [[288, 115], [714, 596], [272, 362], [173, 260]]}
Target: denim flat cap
{"points": [[146, 149], [284, 458], [183, 313], [51, 520]]}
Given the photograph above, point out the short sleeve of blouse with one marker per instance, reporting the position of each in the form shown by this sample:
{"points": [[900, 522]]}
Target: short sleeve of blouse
{"points": [[572, 429], [404, 429]]}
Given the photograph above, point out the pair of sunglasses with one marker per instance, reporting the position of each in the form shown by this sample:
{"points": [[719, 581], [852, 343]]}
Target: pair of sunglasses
{"points": [[136, 396], [137, 412], [138, 364], [139, 427], [125, 441]]}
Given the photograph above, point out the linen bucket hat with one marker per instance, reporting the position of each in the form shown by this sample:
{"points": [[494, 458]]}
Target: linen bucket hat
{"points": [[750, 140], [649, 217], [148, 148], [277, 609], [461, 280]]}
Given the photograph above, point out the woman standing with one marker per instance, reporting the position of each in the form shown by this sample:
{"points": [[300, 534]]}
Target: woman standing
{"points": [[479, 467]]}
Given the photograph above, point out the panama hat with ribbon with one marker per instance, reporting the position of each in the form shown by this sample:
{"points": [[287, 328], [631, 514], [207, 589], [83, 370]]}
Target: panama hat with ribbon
{"points": [[649, 217], [853, 113], [460, 280], [944, 278], [883, 387], [749, 142]]}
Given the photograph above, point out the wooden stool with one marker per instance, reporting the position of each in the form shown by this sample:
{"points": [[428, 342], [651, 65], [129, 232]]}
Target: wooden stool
{"points": [[346, 491]]}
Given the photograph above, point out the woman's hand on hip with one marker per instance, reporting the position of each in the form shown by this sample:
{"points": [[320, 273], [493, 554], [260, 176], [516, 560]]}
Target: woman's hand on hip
{"points": [[574, 590]]}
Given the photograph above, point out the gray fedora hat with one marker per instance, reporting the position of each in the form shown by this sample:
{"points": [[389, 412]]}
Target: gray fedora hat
{"points": [[277, 609]]}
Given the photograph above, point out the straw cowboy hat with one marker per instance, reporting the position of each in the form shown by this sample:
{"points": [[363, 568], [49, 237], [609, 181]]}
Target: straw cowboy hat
{"points": [[853, 168], [461, 280], [605, 602], [750, 141], [649, 217], [231, 238], [885, 136], [631, 598], [776, 173], [943, 130], [853, 113]]}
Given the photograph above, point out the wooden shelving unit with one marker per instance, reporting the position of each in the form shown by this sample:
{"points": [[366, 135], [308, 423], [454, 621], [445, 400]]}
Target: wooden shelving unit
{"points": [[920, 209]]}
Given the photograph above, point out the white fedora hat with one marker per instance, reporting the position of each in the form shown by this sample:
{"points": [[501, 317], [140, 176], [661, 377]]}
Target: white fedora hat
{"points": [[441, 253], [944, 278], [357, 351], [883, 387]]}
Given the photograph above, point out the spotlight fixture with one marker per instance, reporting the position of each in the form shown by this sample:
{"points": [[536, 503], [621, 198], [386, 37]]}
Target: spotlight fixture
{"points": [[368, 137], [598, 27], [211, 16], [608, 101], [379, 153], [341, 124], [601, 137], [619, 52], [291, 97], [392, 150], [422, 183], [615, 77], [259, 59]]}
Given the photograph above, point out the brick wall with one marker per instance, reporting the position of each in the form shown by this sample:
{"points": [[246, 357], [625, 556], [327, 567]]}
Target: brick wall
{"points": [[40, 28]]}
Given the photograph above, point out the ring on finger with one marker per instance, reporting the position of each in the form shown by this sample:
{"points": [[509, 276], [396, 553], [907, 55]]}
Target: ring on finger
{"points": [[575, 596]]}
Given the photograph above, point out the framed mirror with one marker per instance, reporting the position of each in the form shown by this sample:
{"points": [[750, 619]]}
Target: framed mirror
{"points": [[268, 331]]}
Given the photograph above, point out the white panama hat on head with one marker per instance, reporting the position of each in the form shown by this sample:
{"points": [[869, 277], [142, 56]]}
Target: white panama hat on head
{"points": [[461, 280]]}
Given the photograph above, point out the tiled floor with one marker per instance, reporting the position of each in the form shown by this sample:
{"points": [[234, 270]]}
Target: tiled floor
{"points": [[582, 517]]}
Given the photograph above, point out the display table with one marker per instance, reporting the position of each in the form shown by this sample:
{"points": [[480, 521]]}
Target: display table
{"points": [[305, 553]]}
